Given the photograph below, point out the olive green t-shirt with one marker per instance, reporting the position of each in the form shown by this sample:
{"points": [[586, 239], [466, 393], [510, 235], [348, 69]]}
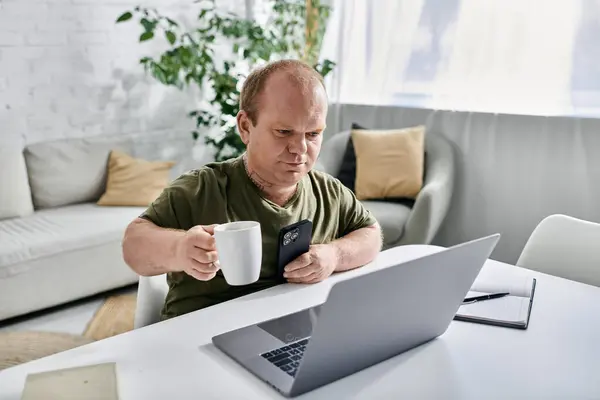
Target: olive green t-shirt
{"points": [[222, 192]]}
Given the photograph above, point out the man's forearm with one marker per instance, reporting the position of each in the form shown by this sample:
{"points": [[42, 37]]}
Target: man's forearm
{"points": [[149, 249], [358, 248]]}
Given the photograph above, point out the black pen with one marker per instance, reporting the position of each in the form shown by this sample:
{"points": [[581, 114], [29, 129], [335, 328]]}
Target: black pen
{"points": [[484, 297]]}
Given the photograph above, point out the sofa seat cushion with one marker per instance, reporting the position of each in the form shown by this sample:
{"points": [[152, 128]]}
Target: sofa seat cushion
{"points": [[391, 216], [51, 231]]}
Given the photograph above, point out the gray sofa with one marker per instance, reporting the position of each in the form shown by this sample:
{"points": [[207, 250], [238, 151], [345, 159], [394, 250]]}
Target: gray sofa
{"points": [[56, 244], [402, 224]]}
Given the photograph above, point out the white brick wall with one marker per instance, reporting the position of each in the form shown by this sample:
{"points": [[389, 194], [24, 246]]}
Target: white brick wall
{"points": [[67, 70]]}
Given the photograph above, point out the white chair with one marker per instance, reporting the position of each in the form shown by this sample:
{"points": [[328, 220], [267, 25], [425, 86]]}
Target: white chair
{"points": [[152, 291], [566, 247]]}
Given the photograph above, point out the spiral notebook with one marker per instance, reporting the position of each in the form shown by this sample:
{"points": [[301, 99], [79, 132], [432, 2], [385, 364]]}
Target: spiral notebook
{"points": [[512, 311]]}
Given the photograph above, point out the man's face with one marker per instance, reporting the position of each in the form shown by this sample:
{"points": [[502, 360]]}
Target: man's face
{"points": [[285, 142]]}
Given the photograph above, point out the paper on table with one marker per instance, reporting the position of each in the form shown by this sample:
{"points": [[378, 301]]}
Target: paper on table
{"points": [[512, 310], [97, 382], [496, 283], [508, 308]]}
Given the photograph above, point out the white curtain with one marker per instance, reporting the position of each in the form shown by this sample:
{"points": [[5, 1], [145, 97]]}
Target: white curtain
{"points": [[504, 56], [371, 44]]}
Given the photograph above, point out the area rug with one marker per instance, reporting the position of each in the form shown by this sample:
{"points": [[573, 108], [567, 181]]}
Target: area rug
{"points": [[20, 347], [115, 316]]}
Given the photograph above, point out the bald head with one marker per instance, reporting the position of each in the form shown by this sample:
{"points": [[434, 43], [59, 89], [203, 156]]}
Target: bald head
{"points": [[281, 121], [293, 76]]}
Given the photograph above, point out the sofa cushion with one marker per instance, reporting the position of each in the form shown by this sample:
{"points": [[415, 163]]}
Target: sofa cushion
{"points": [[389, 163], [346, 172], [70, 171], [15, 195], [134, 181], [391, 216], [52, 231]]}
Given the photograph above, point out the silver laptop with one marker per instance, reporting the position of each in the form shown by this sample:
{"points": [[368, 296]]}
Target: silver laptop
{"points": [[365, 320]]}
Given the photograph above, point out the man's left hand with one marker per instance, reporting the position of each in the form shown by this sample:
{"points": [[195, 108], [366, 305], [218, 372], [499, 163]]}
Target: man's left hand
{"points": [[314, 266]]}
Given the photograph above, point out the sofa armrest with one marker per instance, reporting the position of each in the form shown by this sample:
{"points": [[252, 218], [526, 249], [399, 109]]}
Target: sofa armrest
{"points": [[332, 153], [433, 202]]}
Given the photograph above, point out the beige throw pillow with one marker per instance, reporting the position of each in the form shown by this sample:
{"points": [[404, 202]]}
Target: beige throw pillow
{"points": [[389, 163], [134, 182]]}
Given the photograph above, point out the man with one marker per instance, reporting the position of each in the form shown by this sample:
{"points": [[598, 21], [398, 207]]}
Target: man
{"points": [[283, 108]]}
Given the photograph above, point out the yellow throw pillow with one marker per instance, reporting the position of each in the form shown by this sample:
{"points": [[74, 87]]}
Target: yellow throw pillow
{"points": [[134, 182], [389, 163]]}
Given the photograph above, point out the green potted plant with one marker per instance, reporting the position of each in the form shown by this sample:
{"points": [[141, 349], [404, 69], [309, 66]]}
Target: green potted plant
{"points": [[218, 52]]}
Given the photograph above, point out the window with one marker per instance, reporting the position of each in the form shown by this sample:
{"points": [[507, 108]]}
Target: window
{"points": [[505, 56]]}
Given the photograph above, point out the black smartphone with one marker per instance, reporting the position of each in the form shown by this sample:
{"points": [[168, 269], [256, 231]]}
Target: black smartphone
{"points": [[294, 240]]}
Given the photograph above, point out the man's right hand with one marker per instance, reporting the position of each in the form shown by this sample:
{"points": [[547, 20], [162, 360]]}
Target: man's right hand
{"points": [[196, 253]]}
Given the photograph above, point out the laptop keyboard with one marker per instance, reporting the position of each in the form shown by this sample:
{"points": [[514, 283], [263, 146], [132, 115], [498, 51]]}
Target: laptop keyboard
{"points": [[287, 358]]}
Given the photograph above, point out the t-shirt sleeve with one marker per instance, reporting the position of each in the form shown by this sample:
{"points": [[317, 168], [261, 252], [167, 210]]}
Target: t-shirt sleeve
{"points": [[173, 207], [353, 214]]}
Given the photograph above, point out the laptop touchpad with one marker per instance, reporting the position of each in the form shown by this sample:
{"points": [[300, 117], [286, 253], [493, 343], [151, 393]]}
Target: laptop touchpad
{"points": [[292, 327]]}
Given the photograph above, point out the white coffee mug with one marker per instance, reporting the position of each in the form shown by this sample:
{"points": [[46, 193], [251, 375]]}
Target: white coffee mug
{"points": [[239, 249]]}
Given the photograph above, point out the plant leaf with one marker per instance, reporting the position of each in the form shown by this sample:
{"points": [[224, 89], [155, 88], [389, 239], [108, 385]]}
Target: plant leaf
{"points": [[159, 74], [146, 36], [125, 17], [171, 37], [171, 22], [148, 25]]}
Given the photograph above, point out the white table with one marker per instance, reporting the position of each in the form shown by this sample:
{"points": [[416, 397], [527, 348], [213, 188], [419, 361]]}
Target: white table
{"points": [[557, 357]]}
